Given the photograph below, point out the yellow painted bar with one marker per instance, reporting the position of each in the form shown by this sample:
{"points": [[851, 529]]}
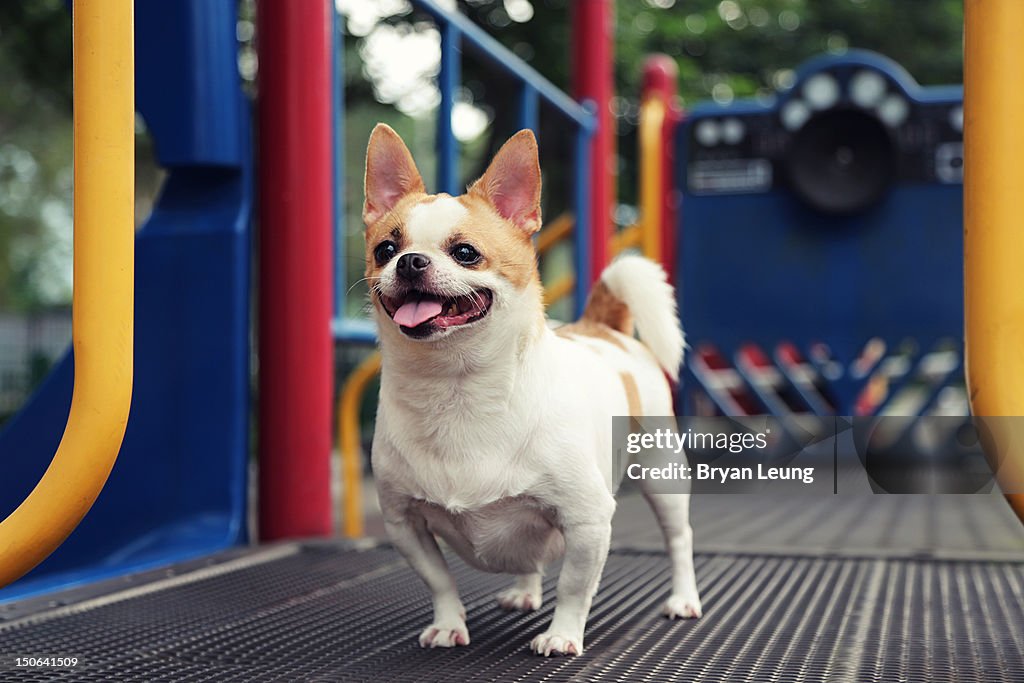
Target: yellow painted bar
{"points": [[994, 229], [349, 443], [102, 317], [556, 231], [558, 289], [627, 238], [652, 199]]}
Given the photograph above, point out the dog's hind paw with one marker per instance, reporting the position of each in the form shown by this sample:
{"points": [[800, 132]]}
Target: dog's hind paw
{"points": [[549, 643], [445, 634], [682, 607], [517, 598]]}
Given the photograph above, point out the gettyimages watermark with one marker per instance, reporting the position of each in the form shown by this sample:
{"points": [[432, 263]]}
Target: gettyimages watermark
{"points": [[810, 455]]}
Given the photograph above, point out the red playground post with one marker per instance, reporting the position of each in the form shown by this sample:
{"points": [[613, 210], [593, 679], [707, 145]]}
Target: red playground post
{"points": [[295, 213], [593, 26]]}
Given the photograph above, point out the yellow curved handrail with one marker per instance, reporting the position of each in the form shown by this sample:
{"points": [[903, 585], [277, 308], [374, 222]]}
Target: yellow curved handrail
{"points": [[994, 232], [351, 448], [103, 301]]}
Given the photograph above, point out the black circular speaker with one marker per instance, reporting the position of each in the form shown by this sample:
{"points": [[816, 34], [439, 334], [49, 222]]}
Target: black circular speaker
{"points": [[842, 161]]}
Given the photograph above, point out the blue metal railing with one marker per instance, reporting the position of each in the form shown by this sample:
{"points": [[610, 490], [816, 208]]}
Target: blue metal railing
{"points": [[460, 35]]}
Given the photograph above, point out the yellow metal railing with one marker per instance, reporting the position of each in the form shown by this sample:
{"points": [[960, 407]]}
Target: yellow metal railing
{"points": [[349, 441], [556, 232], [102, 319], [993, 236], [653, 111]]}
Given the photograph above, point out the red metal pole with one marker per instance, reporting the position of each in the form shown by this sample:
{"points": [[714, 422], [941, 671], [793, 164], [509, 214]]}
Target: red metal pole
{"points": [[673, 195], [593, 25], [295, 345]]}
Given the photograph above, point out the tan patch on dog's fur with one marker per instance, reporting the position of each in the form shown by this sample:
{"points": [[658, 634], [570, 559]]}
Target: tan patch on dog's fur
{"points": [[605, 308], [632, 394], [588, 328], [388, 227], [511, 185], [503, 248]]}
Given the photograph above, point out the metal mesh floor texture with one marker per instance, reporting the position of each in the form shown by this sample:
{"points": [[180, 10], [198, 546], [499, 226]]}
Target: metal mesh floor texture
{"points": [[329, 612], [950, 526]]}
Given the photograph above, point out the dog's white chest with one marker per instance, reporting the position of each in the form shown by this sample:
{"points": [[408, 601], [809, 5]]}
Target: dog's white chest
{"points": [[511, 535]]}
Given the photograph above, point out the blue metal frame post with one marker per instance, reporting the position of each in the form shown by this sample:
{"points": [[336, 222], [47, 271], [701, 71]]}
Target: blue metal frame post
{"points": [[528, 115], [448, 80]]}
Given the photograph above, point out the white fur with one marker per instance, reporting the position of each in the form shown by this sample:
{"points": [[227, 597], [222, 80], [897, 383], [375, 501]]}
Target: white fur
{"points": [[642, 285], [497, 437], [433, 221]]}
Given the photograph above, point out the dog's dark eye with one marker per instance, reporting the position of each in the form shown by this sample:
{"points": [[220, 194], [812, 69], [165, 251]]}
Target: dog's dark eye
{"points": [[465, 254], [385, 251]]}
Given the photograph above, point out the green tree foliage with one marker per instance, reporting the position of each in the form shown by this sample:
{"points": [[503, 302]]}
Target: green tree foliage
{"points": [[35, 152], [727, 49], [742, 43]]}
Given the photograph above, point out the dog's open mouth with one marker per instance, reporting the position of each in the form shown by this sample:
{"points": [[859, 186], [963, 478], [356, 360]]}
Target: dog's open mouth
{"points": [[419, 314]]}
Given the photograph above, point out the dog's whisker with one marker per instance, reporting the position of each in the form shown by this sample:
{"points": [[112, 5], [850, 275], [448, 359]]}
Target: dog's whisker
{"points": [[360, 281]]}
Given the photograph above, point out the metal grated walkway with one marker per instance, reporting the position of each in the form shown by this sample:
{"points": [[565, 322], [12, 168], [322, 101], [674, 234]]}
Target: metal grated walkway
{"points": [[952, 526], [334, 612]]}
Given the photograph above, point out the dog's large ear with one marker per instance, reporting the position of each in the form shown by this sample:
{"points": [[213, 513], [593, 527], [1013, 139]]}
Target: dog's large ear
{"points": [[512, 182], [390, 173]]}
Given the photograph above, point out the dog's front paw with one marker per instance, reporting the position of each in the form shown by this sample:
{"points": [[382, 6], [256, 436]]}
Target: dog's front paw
{"points": [[447, 633], [682, 607], [520, 599], [549, 643]]}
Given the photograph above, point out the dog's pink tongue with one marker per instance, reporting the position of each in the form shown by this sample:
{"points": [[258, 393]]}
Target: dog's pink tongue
{"points": [[415, 313]]}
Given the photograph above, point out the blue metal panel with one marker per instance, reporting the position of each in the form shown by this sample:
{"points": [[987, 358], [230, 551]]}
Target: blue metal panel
{"points": [[354, 330], [179, 486], [758, 265], [202, 128]]}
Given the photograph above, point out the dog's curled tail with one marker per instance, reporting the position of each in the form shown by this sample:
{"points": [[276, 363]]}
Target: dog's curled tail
{"points": [[634, 290]]}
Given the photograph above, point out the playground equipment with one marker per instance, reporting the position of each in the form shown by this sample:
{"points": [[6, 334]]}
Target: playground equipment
{"points": [[851, 180], [994, 299], [102, 307], [296, 191], [178, 489], [876, 575]]}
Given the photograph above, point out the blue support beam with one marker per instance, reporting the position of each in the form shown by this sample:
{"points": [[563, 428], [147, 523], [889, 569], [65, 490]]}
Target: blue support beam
{"points": [[581, 207], [449, 78], [528, 110]]}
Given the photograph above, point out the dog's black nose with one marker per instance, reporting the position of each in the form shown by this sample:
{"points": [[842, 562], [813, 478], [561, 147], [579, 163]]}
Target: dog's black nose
{"points": [[412, 266]]}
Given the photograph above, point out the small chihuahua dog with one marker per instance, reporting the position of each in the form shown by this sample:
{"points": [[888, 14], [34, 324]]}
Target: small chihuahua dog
{"points": [[494, 431]]}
